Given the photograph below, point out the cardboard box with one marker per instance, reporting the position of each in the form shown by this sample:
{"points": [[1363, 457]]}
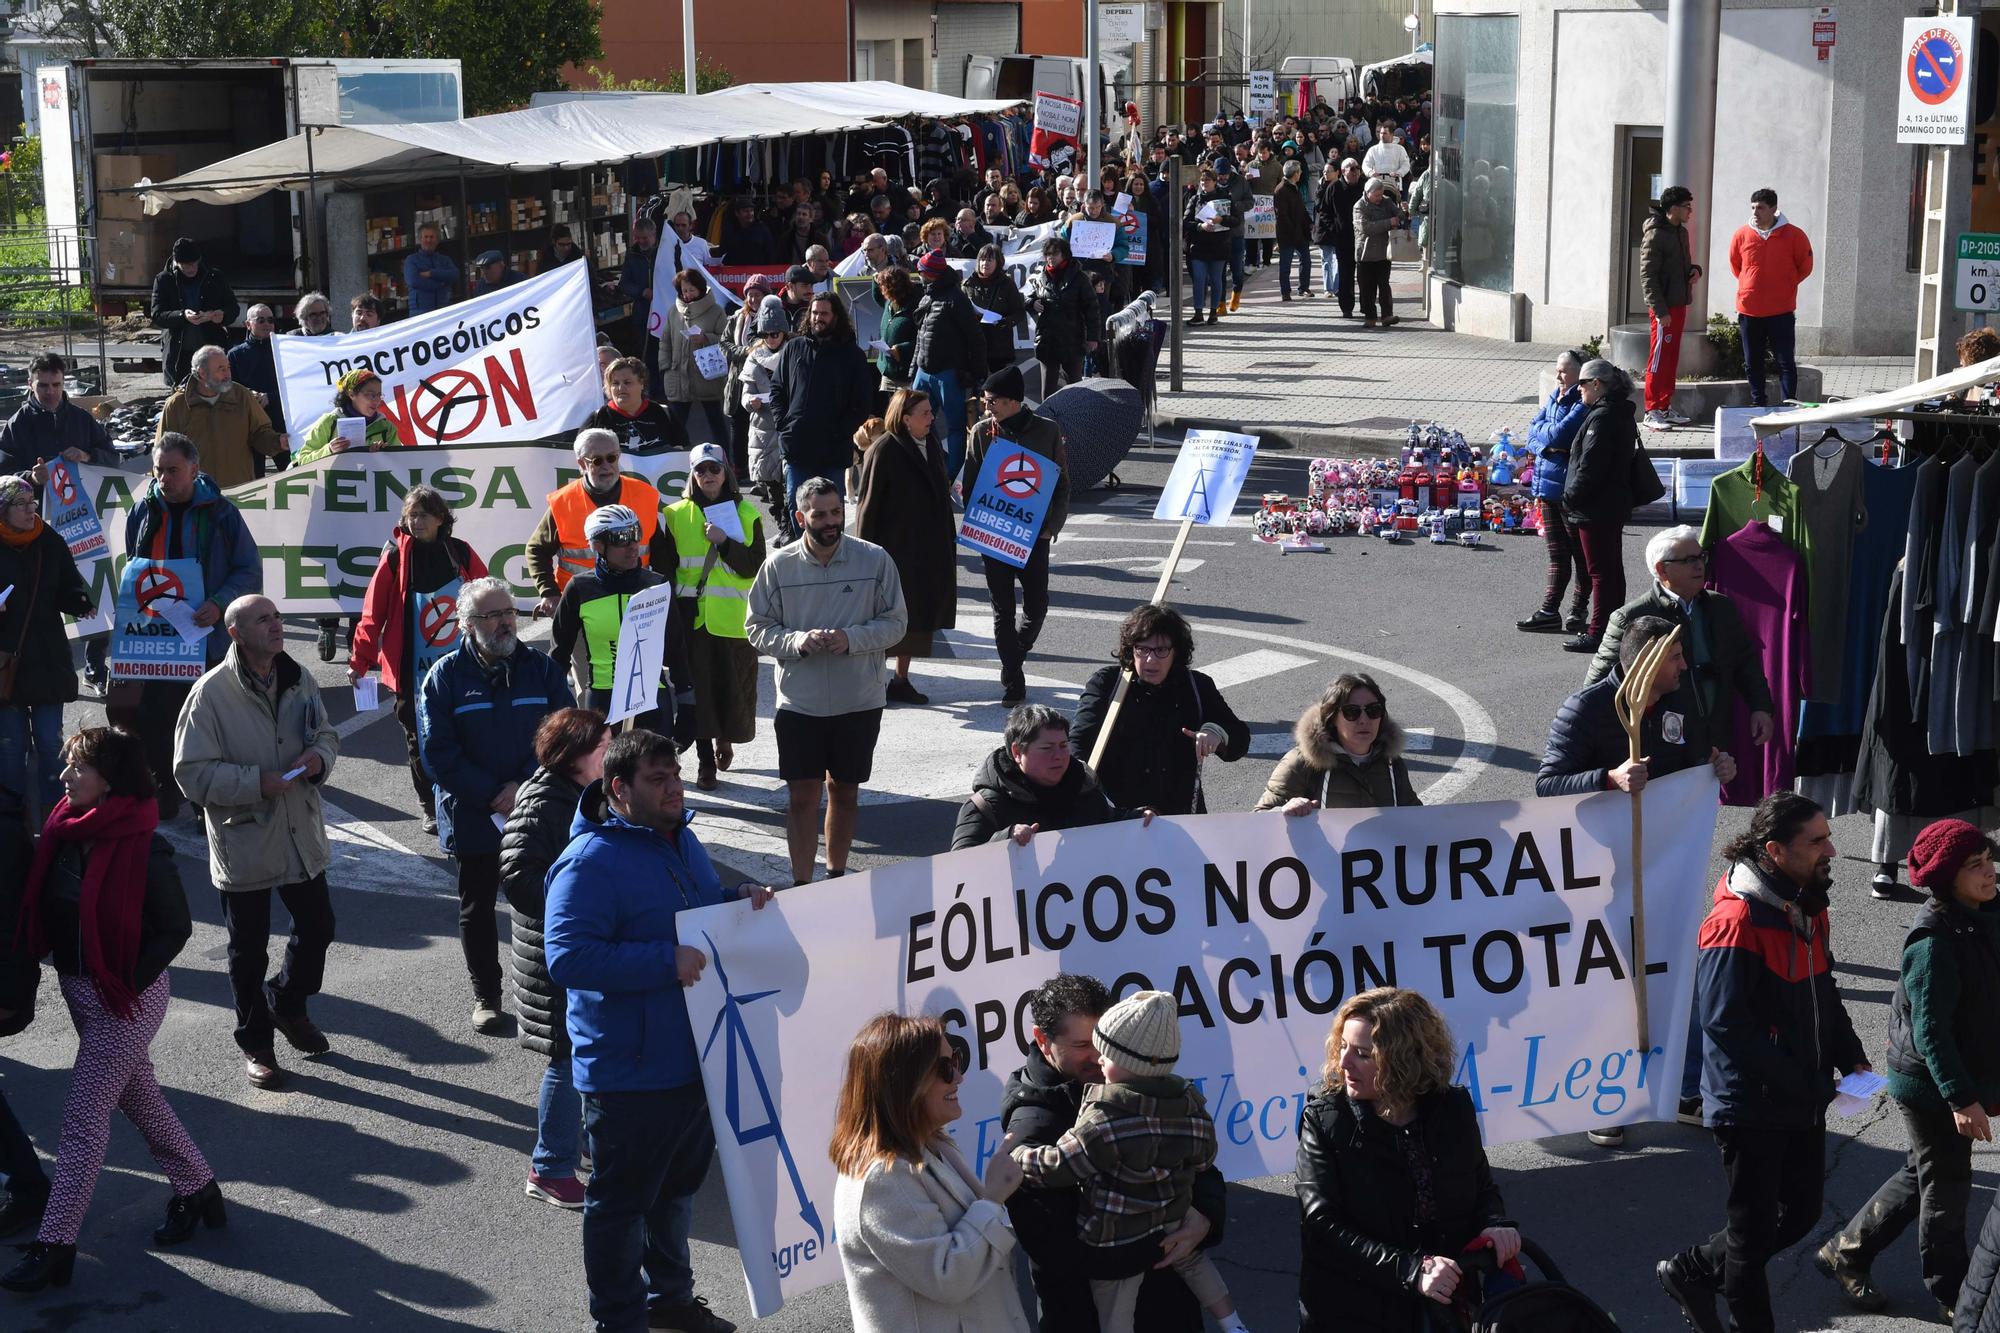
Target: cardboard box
{"points": [[130, 255], [118, 170]]}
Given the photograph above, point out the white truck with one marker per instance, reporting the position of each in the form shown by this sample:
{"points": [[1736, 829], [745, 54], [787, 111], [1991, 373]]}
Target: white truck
{"points": [[993, 78], [107, 124]]}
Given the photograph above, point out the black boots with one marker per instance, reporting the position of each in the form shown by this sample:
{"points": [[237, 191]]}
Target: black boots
{"points": [[42, 1266], [184, 1210]]}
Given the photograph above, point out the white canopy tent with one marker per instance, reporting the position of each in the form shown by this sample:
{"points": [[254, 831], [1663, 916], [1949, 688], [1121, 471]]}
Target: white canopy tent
{"points": [[877, 98], [1422, 56], [570, 135], [1892, 400]]}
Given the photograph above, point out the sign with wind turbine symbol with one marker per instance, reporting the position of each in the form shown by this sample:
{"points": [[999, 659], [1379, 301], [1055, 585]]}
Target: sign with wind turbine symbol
{"points": [[739, 1053]]}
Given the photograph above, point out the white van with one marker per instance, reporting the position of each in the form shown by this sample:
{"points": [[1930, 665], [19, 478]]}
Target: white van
{"points": [[1334, 77], [1000, 78]]}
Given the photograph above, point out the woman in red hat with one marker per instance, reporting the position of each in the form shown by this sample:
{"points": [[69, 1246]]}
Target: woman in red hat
{"points": [[1943, 1071]]}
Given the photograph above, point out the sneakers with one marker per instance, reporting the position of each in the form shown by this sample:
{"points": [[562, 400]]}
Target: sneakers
{"points": [[1580, 643], [1694, 1293], [1657, 421], [562, 1191], [1542, 622], [1689, 1112], [690, 1316], [903, 692], [1607, 1138], [486, 1017], [96, 678], [430, 822], [1678, 418], [1884, 888], [1850, 1277], [1368, 322]]}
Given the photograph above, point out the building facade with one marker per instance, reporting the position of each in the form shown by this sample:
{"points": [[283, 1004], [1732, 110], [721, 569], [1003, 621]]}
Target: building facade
{"points": [[1548, 129]]}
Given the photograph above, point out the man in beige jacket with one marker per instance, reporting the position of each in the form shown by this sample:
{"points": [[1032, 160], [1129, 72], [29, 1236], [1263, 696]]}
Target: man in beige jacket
{"points": [[224, 419], [252, 747]]}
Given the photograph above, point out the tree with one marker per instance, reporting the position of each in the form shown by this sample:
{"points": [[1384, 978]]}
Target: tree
{"points": [[709, 76], [508, 51]]}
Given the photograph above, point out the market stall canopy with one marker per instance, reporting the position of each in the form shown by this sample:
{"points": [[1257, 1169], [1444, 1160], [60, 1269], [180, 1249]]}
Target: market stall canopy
{"points": [[1423, 57], [570, 135], [877, 98], [1892, 400]]}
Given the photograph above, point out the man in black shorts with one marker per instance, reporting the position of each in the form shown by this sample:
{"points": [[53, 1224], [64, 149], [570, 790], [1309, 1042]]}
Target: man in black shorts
{"points": [[826, 608]]}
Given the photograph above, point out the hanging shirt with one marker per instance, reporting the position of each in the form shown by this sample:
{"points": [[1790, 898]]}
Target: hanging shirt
{"points": [[1831, 512], [1766, 579]]}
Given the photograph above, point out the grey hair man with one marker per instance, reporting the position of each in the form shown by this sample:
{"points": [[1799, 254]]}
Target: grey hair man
{"points": [[253, 745], [477, 716], [225, 419], [827, 608], [315, 315], [557, 549]]}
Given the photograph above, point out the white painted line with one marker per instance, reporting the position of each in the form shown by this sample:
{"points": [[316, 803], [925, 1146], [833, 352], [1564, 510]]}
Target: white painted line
{"points": [[1141, 564], [364, 859], [1253, 665], [1137, 541], [1270, 744], [362, 721]]}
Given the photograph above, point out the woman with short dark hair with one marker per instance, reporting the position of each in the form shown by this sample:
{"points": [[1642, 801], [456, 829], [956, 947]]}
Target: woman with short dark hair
{"points": [[991, 289], [1392, 1180], [900, 298], [1034, 783], [1172, 720], [1347, 754], [103, 899], [903, 504], [924, 1242], [569, 752]]}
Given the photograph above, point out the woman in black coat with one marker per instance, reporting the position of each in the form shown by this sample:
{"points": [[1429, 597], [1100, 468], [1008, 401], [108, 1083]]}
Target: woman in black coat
{"points": [[903, 504], [37, 676], [990, 288], [569, 747], [1173, 718], [1376, 1246], [1597, 491]]}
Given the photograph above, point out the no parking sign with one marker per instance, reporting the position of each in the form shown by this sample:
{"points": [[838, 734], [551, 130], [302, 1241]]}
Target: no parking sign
{"points": [[1934, 92]]}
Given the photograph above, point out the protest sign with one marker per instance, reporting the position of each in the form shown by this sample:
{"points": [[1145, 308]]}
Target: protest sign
{"points": [[1091, 240], [1260, 220], [1131, 246], [66, 507], [1054, 140], [320, 527], [516, 363], [1006, 506], [642, 651], [145, 643], [1513, 917], [433, 628], [1207, 477]]}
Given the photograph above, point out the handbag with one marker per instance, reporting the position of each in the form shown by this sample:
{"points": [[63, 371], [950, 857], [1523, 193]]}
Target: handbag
{"points": [[1646, 484]]}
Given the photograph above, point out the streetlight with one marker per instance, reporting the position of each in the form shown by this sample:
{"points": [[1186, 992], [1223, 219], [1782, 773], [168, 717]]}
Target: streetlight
{"points": [[1410, 25]]}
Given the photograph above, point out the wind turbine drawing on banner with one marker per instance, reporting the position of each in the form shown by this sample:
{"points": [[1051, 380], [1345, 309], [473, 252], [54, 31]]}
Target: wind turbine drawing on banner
{"points": [[739, 1032]]}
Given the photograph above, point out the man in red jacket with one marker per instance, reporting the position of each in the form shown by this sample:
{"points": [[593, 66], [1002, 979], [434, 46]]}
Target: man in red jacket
{"points": [[1770, 258]]}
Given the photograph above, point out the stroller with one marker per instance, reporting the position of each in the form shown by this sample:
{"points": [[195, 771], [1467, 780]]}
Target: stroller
{"points": [[1493, 1300]]}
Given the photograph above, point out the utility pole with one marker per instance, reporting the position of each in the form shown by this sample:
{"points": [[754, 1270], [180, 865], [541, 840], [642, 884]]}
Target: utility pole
{"points": [[1093, 153], [688, 85], [1694, 43]]}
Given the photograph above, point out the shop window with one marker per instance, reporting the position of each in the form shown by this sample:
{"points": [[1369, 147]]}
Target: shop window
{"points": [[1472, 139]]}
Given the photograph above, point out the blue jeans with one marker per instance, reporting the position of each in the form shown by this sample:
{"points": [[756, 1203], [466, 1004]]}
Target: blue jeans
{"points": [[45, 721], [948, 401], [1329, 266], [649, 1153], [1237, 246], [1775, 334], [1286, 254], [558, 1121], [1208, 288]]}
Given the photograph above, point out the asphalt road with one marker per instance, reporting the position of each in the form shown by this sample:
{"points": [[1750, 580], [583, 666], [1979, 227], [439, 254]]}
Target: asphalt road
{"points": [[382, 1187]]}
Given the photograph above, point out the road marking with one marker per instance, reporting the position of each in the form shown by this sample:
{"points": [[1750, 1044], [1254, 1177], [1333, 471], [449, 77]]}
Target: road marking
{"points": [[1273, 744], [361, 721], [1253, 665], [1141, 564], [364, 859], [1138, 541]]}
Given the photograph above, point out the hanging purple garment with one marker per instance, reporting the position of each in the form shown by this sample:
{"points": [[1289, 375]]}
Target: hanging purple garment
{"points": [[1766, 579]]}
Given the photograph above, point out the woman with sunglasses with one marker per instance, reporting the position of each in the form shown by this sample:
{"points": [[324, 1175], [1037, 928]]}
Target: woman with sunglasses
{"points": [[713, 574], [924, 1242], [1347, 754]]}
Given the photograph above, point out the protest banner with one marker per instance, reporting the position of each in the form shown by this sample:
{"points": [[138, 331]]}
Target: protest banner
{"points": [[320, 527], [1092, 240], [517, 363], [1055, 138], [1131, 246], [1007, 505], [1260, 220], [1513, 917], [66, 507], [642, 650], [145, 643], [1208, 475]]}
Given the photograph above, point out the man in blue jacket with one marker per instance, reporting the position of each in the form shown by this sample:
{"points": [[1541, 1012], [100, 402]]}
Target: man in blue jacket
{"points": [[429, 274], [476, 721], [254, 365], [632, 865], [183, 515]]}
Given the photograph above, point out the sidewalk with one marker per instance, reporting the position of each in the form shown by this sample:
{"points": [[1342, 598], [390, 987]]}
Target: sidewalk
{"points": [[1304, 378]]}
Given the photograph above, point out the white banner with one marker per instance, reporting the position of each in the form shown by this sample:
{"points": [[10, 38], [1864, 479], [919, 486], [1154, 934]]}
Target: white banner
{"points": [[320, 527], [642, 650], [1515, 917], [517, 363]]}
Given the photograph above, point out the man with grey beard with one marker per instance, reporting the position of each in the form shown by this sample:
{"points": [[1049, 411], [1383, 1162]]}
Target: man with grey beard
{"points": [[476, 721]]}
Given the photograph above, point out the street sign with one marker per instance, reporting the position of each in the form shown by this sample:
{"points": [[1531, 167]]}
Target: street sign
{"points": [[1934, 97], [1978, 287], [1121, 25], [1263, 91]]}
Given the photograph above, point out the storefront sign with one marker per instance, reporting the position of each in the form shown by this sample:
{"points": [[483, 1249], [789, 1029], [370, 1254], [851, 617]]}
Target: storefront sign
{"points": [[1514, 917], [1121, 25], [518, 363], [1934, 98], [1978, 286]]}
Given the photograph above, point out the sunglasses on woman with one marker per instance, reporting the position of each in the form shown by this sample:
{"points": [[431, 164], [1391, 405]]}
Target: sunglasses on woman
{"points": [[951, 1068], [1355, 712]]}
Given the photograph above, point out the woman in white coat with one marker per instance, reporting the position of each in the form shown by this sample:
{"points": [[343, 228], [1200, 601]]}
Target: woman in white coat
{"points": [[925, 1243]]}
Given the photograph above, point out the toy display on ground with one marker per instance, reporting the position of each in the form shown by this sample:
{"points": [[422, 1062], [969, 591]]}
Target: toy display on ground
{"points": [[1440, 486]]}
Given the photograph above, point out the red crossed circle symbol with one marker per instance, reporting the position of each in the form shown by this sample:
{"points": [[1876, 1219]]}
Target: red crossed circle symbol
{"points": [[153, 584], [438, 622], [1936, 66], [449, 406], [65, 483], [1128, 223], [1018, 476]]}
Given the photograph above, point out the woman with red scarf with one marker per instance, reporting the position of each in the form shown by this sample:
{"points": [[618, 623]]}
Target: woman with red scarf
{"points": [[102, 896], [409, 616]]}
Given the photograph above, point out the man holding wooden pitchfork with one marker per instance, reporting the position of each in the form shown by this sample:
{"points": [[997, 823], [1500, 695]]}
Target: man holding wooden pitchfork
{"points": [[1591, 749]]}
